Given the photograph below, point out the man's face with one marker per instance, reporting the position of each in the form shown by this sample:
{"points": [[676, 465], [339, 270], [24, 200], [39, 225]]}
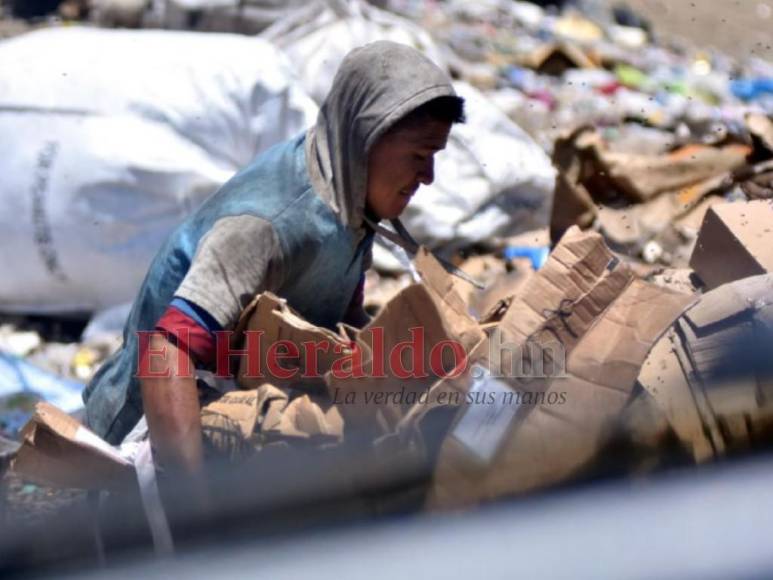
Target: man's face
{"points": [[399, 162]]}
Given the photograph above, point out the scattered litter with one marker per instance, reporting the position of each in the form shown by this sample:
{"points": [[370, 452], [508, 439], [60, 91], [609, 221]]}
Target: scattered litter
{"points": [[613, 195]]}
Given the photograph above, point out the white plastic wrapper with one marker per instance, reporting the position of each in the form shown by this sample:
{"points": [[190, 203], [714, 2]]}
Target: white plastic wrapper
{"points": [[492, 179], [109, 139]]}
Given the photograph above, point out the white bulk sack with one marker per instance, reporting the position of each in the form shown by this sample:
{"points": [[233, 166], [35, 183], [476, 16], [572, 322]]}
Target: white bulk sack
{"points": [[319, 36], [108, 139], [492, 179]]}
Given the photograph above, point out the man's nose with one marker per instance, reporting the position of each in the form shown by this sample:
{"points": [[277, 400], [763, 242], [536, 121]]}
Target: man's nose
{"points": [[427, 172]]}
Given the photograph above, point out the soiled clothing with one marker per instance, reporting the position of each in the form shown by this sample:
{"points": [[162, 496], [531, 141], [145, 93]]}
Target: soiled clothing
{"points": [[292, 222], [266, 229]]}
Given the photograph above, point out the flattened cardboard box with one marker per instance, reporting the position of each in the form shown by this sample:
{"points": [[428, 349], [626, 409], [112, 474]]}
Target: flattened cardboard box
{"points": [[554, 438], [517, 434], [579, 266], [735, 241]]}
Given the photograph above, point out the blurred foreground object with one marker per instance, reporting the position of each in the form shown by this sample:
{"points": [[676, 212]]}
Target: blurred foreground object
{"points": [[711, 376]]}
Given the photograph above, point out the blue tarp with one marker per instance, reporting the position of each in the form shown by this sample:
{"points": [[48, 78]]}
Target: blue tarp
{"points": [[19, 376]]}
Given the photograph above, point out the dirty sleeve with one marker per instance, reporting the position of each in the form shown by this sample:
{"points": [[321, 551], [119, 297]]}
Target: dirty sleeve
{"points": [[238, 258]]}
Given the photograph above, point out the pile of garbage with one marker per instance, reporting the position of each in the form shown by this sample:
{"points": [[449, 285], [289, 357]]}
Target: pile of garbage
{"points": [[570, 361], [557, 70], [614, 197]]}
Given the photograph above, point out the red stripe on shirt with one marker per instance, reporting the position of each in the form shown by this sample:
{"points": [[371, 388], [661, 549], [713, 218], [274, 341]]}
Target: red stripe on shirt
{"points": [[189, 335]]}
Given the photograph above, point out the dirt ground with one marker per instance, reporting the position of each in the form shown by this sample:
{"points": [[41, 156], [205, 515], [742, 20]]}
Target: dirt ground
{"points": [[737, 27]]}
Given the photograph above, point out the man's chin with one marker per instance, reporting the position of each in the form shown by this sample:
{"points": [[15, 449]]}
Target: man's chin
{"points": [[399, 211], [396, 214], [391, 214]]}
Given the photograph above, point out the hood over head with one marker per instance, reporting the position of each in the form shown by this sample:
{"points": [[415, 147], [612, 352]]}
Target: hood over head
{"points": [[375, 86]]}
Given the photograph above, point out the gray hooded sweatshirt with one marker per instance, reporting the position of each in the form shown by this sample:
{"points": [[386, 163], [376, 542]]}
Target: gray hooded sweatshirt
{"points": [[292, 222]]}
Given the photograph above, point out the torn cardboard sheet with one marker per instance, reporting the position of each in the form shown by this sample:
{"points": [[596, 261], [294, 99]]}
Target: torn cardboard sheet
{"points": [[735, 241], [57, 450], [580, 267], [398, 346]]}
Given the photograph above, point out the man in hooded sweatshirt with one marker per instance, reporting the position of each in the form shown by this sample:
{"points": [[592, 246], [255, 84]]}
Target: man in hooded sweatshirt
{"points": [[299, 222]]}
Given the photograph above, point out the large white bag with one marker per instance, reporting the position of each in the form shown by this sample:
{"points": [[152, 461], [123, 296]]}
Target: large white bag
{"points": [[492, 179], [108, 139], [318, 36]]}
